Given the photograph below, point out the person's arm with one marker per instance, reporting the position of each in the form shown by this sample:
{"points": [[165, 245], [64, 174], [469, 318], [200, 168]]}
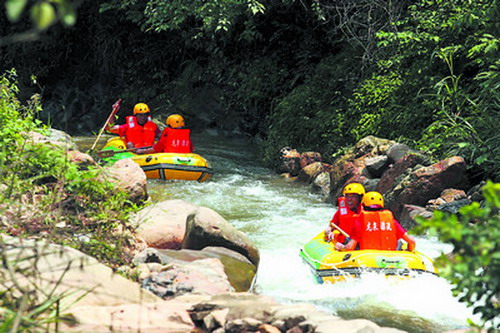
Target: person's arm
{"points": [[402, 234], [411, 242], [329, 232], [355, 238], [117, 129], [350, 246], [157, 134]]}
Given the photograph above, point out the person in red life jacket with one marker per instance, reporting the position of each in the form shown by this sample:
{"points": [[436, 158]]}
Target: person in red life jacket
{"points": [[348, 212], [174, 139], [139, 130], [377, 229]]}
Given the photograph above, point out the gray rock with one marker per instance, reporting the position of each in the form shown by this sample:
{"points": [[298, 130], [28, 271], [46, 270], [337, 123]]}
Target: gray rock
{"points": [[376, 165], [207, 228], [371, 184], [322, 183], [397, 151], [425, 183], [239, 270], [453, 207], [409, 213]]}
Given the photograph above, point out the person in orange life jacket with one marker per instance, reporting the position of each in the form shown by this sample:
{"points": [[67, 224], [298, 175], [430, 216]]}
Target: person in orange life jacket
{"points": [[377, 229], [139, 130], [349, 209], [174, 139]]}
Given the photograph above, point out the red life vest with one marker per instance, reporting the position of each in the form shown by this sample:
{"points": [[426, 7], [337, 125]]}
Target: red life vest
{"points": [[140, 136], [378, 231], [176, 140], [347, 219]]}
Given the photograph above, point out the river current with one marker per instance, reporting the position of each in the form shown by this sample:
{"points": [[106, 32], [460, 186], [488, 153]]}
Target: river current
{"points": [[280, 217]]}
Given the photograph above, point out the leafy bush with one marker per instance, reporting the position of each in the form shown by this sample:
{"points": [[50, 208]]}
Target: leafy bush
{"points": [[313, 115], [44, 193], [474, 265], [446, 56]]}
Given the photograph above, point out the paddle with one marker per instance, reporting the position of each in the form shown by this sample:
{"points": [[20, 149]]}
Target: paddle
{"points": [[109, 153], [116, 108], [341, 231]]}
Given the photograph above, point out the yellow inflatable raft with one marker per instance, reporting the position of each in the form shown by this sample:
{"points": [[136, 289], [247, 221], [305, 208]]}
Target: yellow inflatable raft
{"points": [[329, 265], [163, 165]]}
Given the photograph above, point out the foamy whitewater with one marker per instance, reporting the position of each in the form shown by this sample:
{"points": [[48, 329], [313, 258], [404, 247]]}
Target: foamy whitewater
{"points": [[280, 217]]}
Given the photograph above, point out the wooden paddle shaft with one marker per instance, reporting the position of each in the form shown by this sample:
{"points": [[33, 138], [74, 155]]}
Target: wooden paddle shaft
{"points": [[339, 229], [116, 107]]}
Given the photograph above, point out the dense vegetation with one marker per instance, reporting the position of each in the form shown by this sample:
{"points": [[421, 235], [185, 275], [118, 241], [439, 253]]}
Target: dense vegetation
{"points": [[314, 75], [474, 264], [44, 196]]}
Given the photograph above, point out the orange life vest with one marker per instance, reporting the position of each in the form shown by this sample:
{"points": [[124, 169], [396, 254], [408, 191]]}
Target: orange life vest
{"points": [[347, 219], [140, 136], [176, 140], [378, 231]]}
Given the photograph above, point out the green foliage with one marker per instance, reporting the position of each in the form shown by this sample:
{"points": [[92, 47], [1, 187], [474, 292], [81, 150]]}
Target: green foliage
{"points": [[435, 65], [208, 16], [312, 116], [66, 195], [374, 108], [474, 265], [22, 309], [43, 13]]}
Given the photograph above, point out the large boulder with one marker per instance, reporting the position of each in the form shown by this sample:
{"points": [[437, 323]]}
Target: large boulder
{"points": [[163, 224], [53, 137], [310, 172], [129, 177], [376, 166], [309, 157], [161, 316], [201, 277], [372, 146], [397, 151], [409, 213], [206, 227], [289, 161], [243, 312], [393, 175], [322, 183], [239, 270], [344, 171], [41, 266], [426, 183]]}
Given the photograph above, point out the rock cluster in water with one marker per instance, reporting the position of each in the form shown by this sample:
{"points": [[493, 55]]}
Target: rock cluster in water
{"points": [[411, 183]]}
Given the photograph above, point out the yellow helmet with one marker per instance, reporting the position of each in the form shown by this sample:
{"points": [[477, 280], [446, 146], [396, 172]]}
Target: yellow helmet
{"points": [[373, 198], [141, 108], [175, 121], [356, 188]]}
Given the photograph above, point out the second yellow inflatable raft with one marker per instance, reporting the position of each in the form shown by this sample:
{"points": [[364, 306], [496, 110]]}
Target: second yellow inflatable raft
{"points": [[330, 265], [163, 165]]}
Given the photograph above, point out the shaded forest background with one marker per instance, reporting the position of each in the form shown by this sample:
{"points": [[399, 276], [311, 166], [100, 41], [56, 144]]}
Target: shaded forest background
{"points": [[312, 74]]}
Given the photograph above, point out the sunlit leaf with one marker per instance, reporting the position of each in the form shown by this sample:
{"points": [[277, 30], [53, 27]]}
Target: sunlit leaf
{"points": [[14, 8], [43, 15], [67, 13]]}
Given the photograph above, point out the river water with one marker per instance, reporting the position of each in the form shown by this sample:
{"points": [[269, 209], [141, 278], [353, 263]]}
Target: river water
{"points": [[280, 217]]}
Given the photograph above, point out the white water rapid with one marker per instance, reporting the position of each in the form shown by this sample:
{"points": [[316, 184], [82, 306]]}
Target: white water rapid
{"points": [[280, 217]]}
